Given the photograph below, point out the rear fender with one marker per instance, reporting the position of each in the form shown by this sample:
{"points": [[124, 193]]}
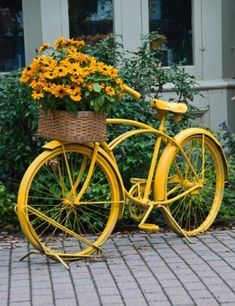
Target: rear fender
{"points": [[159, 186], [193, 131], [53, 144]]}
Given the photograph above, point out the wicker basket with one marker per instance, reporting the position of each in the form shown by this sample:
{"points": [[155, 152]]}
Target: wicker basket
{"points": [[87, 126]]}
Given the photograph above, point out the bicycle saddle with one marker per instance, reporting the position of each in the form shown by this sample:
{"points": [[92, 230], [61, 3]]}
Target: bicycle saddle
{"points": [[174, 107]]}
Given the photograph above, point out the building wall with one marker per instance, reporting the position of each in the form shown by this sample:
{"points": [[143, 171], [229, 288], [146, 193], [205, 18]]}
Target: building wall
{"points": [[213, 23], [44, 21], [214, 62]]}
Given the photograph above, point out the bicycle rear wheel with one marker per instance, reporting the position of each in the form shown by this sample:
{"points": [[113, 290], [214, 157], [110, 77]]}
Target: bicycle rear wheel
{"points": [[52, 218], [199, 162]]}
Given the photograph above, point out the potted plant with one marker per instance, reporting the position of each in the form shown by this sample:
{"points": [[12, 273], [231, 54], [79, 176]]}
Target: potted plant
{"points": [[71, 87]]}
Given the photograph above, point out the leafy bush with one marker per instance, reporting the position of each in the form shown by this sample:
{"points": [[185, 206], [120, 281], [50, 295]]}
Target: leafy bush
{"points": [[226, 214], [8, 218], [141, 70], [18, 121]]}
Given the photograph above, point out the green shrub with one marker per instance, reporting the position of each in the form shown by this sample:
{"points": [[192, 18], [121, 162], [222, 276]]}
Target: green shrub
{"points": [[226, 214], [18, 122], [8, 218], [141, 70]]}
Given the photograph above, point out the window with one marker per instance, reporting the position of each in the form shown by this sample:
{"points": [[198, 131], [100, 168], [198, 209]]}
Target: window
{"points": [[90, 17], [173, 19], [11, 35]]}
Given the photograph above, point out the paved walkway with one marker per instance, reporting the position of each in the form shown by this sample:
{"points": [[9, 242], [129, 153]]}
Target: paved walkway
{"points": [[138, 269]]}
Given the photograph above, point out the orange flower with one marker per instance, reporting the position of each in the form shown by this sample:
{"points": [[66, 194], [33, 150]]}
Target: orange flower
{"points": [[59, 91], [50, 74], [66, 72], [90, 87], [75, 93], [110, 91], [44, 47], [60, 71], [37, 95], [60, 43]]}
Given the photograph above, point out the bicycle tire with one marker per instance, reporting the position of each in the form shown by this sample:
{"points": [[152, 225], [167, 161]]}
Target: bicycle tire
{"points": [[50, 219], [196, 211]]}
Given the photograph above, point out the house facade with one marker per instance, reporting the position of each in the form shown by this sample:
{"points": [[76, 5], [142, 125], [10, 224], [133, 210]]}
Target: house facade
{"points": [[200, 31]]}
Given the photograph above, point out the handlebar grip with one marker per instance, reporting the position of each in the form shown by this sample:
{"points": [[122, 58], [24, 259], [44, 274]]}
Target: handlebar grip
{"points": [[132, 92]]}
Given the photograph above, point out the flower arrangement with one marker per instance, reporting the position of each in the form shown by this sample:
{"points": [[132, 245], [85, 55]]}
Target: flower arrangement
{"points": [[64, 77]]}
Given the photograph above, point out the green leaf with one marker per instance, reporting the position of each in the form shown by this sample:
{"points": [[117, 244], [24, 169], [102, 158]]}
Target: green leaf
{"points": [[87, 93], [96, 87]]}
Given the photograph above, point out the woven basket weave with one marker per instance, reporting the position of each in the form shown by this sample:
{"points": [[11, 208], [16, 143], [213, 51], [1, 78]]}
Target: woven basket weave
{"points": [[86, 126]]}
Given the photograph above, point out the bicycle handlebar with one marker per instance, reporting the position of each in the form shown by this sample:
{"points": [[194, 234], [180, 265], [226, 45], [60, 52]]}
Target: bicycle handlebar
{"points": [[132, 92]]}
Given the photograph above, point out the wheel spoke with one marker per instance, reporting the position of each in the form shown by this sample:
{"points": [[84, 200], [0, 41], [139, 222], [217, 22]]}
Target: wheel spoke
{"points": [[59, 226]]}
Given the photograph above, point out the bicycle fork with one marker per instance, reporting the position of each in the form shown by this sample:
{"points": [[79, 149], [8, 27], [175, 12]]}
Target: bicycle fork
{"points": [[149, 227]]}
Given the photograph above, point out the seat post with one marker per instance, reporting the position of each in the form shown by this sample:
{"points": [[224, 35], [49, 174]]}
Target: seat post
{"points": [[161, 116]]}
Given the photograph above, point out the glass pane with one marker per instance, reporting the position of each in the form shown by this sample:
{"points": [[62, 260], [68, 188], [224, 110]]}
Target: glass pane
{"points": [[173, 19], [11, 35], [90, 17]]}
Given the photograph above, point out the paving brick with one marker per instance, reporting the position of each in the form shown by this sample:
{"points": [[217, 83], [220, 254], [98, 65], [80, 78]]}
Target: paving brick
{"points": [[180, 299], [155, 297], [225, 297], [42, 291], [228, 275], [139, 269], [136, 302], [169, 283], [200, 294], [206, 302], [93, 303], [20, 294], [64, 294], [149, 288], [126, 293], [43, 299], [198, 285], [159, 303], [110, 291], [175, 291], [66, 302], [115, 299], [24, 303]]}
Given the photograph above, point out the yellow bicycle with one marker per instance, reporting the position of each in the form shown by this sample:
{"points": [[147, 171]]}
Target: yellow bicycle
{"points": [[72, 195]]}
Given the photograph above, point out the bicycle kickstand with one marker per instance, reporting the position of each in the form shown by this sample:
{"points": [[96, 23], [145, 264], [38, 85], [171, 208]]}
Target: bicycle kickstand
{"points": [[176, 224]]}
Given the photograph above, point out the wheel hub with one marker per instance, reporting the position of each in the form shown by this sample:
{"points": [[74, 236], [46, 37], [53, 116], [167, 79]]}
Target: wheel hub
{"points": [[187, 184], [68, 202]]}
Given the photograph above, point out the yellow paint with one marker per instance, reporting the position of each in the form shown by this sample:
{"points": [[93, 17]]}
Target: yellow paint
{"points": [[154, 191]]}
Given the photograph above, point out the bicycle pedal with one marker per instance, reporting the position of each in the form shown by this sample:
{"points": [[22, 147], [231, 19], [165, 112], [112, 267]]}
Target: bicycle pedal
{"points": [[148, 227]]}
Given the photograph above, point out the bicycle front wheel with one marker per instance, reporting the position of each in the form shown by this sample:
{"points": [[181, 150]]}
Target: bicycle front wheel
{"points": [[64, 209], [199, 163]]}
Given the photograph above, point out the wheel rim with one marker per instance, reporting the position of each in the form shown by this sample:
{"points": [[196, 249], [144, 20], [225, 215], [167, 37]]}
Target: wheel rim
{"points": [[55, 221], [196, 211]]}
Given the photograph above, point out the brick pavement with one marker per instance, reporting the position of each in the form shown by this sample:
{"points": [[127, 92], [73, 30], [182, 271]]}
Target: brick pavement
{"points": [[138, 269]]}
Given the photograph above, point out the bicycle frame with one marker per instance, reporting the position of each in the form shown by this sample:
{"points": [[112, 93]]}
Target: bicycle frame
{"points": [[175, 174], [160, 136]]}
